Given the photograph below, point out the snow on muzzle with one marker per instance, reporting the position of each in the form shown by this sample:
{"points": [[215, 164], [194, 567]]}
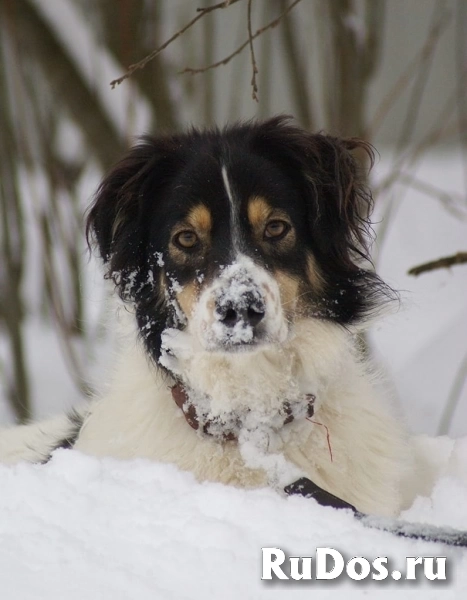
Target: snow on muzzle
{"points": [[241, 308]]}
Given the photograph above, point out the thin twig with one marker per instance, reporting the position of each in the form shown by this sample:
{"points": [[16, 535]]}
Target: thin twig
{"points": [[267, 59], [254, 67], [424, 54], [418, 88], [461, 61], [228, 58], [453, 203], [417, 91], [142, 63], [408, 158], [208, 90], [442, 263], [296, 70]]}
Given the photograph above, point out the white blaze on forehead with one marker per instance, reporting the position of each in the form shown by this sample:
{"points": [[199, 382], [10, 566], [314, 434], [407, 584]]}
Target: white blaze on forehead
{"points": [[234, 209]]}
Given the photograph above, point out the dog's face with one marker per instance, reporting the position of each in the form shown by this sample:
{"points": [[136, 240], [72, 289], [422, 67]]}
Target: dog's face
{"points": [[235, 257], [234, 235]]}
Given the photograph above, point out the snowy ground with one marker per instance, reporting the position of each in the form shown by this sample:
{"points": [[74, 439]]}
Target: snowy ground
{"points": [[80, 527], [84, 528]]}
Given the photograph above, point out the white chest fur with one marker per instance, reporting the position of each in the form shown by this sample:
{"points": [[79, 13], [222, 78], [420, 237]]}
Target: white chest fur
{"points": [[362, 461]]}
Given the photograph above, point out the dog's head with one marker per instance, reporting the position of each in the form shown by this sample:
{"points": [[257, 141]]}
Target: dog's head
{"points": [[233, 235]]}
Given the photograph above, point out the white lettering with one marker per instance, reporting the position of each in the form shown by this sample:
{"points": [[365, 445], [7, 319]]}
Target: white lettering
{"points": [[381, 570], [321, 563], [428, 567], [362, 572], [330, 564], [306, 567], [270, 565], [412, 562]]}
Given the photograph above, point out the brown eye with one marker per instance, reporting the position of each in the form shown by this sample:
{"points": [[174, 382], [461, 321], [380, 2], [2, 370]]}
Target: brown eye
{"points": [[276, 229], [186, 239]]}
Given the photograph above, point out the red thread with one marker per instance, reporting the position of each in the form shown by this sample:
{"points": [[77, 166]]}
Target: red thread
{"points": [[327, 435]]}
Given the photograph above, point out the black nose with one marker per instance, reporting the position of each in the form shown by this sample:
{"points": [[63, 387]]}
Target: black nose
{"points": [[248, 310]]}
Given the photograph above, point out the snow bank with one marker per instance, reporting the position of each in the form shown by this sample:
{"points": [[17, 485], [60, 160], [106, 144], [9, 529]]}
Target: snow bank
{"points": [[79, 527]]}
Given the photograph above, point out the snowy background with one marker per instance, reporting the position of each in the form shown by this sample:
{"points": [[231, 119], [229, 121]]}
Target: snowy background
{"points": [[80, 527]]}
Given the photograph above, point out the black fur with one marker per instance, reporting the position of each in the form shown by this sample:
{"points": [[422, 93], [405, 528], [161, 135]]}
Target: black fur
{"points": [[314, 177]]}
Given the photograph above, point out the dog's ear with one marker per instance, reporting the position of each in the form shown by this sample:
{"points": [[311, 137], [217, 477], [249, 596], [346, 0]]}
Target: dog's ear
{"points": [[116, 220], [337, 172], [330, 173]]}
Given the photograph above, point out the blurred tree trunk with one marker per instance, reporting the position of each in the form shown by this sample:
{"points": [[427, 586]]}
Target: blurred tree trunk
{"points": [[12, 251], [131, 30], [354, 52], [296, 70], [34, 67], [39, 44]]}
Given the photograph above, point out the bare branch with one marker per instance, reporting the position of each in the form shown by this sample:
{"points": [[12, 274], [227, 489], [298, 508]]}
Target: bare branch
{"points": [[125, 28], [296, 71], [422, 56], [421, 79], [442, 263], [265, 74], [13, 244], [58, 309], [40, 41], [228, 58], [142, 63], [209, 35], [453, 203], [461, 82], [254, 66], [350, 65], [441, 131]]}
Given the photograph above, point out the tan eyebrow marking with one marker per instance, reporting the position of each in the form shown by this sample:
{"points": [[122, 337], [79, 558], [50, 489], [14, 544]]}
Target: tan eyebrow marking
{"points": [[258, 211], [200, 219]]}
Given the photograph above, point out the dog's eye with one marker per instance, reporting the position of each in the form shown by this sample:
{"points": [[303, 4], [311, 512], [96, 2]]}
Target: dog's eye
{"points": [[186, 239], [276, 230]]}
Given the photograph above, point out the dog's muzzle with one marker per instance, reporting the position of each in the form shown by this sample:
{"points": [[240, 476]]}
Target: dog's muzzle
{"points": [[247, 310], [240, 309]]}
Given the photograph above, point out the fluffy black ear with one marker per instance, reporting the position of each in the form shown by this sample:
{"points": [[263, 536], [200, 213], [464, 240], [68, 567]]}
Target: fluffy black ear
{"points": [[337, 173], [330, 174], [331, 178], [116, 219]]}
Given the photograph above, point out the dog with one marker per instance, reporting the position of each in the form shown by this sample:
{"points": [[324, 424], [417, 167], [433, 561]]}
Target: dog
{"points": [[240, 258]]}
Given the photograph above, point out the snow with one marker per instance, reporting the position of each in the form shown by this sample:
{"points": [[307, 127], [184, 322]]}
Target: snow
{"points": [[423, 344], [81, 527]]}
